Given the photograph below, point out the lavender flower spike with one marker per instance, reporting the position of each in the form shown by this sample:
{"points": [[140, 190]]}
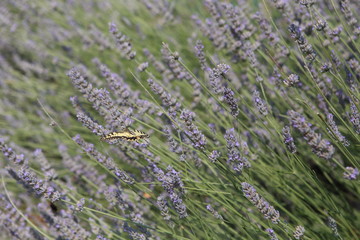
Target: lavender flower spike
{"points": [[122, 42], [31, 182], [235, 160], [271, 234], [299, 232], [259, 103], [106, 161], [263, 206], [91, 125], [198, 139], [215, 213], [335, 130], [321, 147], [231, 101], [10, 154], [355, 117], [351, 173], [288, 139], [216, 76]]}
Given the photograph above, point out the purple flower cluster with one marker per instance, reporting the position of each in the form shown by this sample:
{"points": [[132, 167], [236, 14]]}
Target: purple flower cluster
{"points": [[332, 224], [351, 173], [259, 103], [122, 42], [63, 224], [320, 147], [288, 139], [197, 138], [167, 99], [101, 98], [213, 212], [34, 184], [10, 154], [108, 162], [47, 169], [355, 117], [80, 169], [235, 159], [160, 67], [163, 207], [305, 47], [14, 224], [214, 156], [299, 232], [199, 52], [272, 234], [216, 76], [335, 130], [174, 146], [264, 207], [91, 124], [231, 101], [174, 188]]}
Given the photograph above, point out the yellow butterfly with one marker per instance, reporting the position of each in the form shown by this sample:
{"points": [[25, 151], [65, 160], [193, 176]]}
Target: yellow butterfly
{"points": [[128, 135]]}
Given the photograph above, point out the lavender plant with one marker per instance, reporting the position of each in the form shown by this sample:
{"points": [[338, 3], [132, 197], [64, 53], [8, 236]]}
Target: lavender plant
{"points": [[251, 108]]}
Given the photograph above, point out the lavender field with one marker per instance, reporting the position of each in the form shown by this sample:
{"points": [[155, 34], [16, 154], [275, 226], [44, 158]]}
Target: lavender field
{"points": [[160, 119]]}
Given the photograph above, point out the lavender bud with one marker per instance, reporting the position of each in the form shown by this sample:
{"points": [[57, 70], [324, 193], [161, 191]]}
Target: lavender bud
{"points": [[259, 79], [173, 144], [231, 101], [65, 225], [122, 42], [10, 154], [215, 213], [165, 72], [199, 47], [99, 237], [79, 205], [133, 233], [288, 139], [91, 125], [355, 117], [13, 224], [321, 147], [325, 67], [214, 156], [271, 234], [235, 160], [31, 182], [335, 130], [162, 204], [166, 98], [173, 186], [305, 47], [259, 103], [143, 66], [320, 24], [180, 207], [332, 224], [307, 3], [106, 161], [299, 232], [197, 138], [351, 173], [264, 207], [100, 98], [292, 80], [215, 77], [47, 169]]}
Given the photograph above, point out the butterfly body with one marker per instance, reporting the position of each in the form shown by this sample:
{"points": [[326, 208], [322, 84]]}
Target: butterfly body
{"points": [[127, 135]]}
